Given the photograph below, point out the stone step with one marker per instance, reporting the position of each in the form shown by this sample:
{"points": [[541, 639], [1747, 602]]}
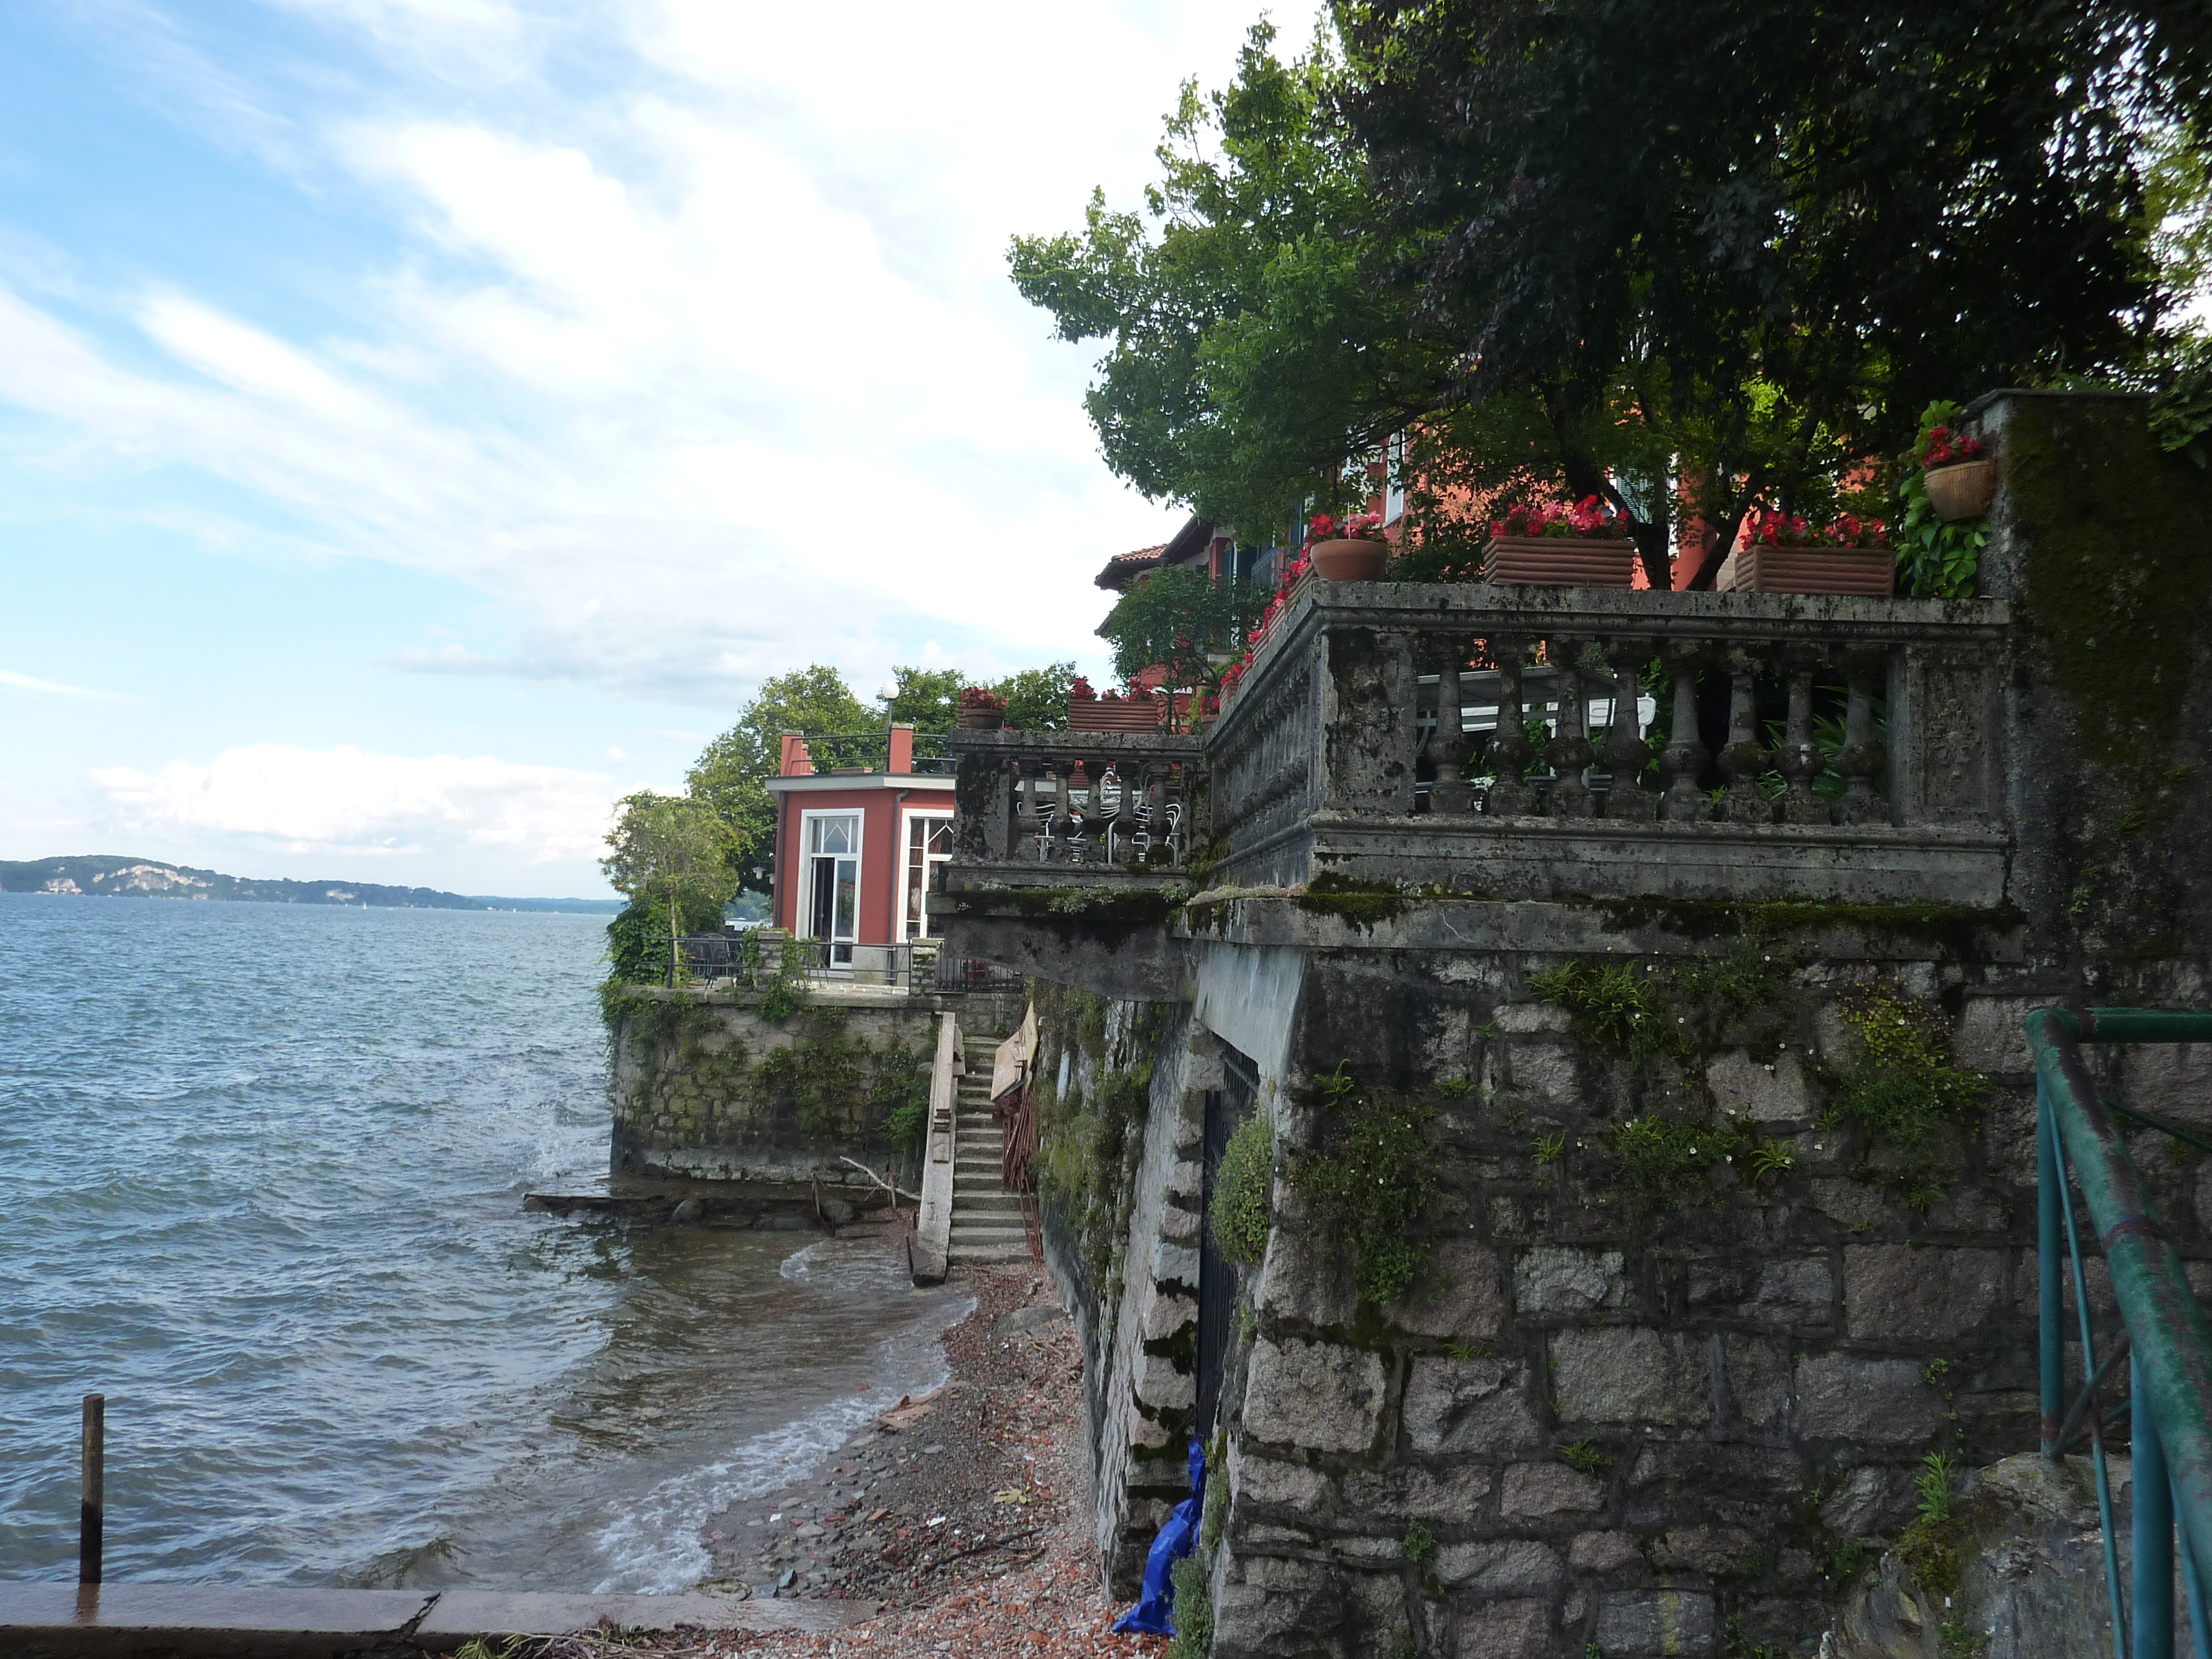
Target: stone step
{"points": [[970, 1237], [985, 1203], [983, 1256]]}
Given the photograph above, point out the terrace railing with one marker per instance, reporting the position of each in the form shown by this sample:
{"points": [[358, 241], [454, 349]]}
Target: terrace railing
{"points": [[2167, 1405], [1037, 807], [1331, 754], [870, 751]]}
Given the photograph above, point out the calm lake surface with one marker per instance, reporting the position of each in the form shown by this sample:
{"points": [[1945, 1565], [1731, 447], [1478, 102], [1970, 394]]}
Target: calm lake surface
{"points": [[261, 1172]]}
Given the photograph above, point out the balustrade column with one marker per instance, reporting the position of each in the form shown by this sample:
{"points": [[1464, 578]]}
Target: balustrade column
{"points": [[1682, 763], [1447, 746], [1626, 750], [1056, 826], [1569, 750], [1861, 757], [1744, 757], [1799, 760], [1511, 751], [1078, 812], [1029, 825]]}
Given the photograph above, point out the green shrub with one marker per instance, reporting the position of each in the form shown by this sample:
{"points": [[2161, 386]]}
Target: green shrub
{"points": [[1419, 1544], [1905, 1089], [1370, 1179], [1243, 1189], [1662, 1161], [1613, 1008], [1586, 1457], [1194, 1609]]}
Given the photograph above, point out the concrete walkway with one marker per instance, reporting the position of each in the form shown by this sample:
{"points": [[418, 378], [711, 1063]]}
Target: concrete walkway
{"points": [[193, 1621]]}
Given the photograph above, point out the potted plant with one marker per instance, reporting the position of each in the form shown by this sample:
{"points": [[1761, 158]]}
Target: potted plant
{"points": [[981, 710], [1959, 479], [1559, 544], [1111, 713], [1784, 553], [1352, 550]]}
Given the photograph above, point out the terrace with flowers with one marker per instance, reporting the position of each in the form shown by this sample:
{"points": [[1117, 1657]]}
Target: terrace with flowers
{"points": [[1539, 724]]}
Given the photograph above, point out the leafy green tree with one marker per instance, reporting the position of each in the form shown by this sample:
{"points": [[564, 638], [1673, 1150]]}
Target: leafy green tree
{"points": [[1036, 698], [1181, 620], [670, 855], [1770, 234], [1253, 340], [928, 698], [730, 774]]}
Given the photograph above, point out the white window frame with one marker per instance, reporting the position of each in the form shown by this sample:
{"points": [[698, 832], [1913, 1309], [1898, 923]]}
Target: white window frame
{"points": [[907, 815], [806, 857]]}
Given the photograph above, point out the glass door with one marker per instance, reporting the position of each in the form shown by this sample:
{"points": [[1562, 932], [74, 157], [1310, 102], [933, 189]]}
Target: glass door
{"points": [[928, 844], [833, 882]]}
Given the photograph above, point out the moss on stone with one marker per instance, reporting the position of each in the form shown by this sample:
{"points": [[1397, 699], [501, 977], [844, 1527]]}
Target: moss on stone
{"points": [[1243, 1191], [1363, 903], [2117, 569], [1372, 1180]]}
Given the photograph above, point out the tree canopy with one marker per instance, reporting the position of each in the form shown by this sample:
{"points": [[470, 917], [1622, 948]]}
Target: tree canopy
{"points": [[1178, 619], [1772, 233], [1252, 341], [1622, 247]]}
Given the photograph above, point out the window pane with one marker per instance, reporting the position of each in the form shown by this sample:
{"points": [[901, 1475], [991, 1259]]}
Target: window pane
{"points": [[835, 835], [848, 898], [941, 838]]}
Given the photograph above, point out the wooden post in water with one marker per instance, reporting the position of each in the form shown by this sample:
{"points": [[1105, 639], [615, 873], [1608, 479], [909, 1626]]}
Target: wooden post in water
{"points": [[93, 1513]]}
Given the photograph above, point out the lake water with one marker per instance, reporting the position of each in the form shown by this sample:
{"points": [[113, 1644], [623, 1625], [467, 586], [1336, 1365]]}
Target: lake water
{"points": [[261, 1173]]}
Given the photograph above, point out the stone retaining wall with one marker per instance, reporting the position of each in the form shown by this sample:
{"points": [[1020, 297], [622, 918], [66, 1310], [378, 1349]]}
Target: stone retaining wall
{"points": [[703, 1084]]}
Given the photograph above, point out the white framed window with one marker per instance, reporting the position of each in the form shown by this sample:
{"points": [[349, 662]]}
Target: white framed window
{"points": [[928, 839], [1394, 478], [829, 881]]}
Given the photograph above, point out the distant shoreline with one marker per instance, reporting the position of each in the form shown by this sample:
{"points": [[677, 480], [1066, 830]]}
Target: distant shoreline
{"points": [[105, 875]]}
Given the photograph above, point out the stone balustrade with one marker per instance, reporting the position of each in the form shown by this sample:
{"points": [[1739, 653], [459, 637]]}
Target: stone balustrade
{"points": [[1042, 807], [1331, 756]]}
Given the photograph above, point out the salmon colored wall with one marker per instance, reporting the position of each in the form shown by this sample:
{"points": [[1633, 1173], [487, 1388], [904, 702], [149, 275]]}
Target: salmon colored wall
{"points": [[880, 849]]}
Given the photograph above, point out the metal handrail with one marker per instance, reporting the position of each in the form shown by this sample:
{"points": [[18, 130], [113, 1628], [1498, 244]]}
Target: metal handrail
{"points": [[2170, 1344]]}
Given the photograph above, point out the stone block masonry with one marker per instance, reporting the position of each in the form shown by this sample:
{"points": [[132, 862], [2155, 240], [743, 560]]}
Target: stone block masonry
{"points": [[1611, 1415], [1652, 1193], [703, 1084]]}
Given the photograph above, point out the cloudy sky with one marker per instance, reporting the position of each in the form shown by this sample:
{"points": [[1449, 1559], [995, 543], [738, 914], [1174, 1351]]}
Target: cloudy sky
{"points": [[424, 421]]}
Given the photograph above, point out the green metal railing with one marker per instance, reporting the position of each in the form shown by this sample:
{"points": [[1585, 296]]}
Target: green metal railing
{"points": [[2165, 1341]]}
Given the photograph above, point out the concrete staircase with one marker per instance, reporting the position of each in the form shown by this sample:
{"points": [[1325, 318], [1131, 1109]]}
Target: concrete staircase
{"points": [[987, 1218]]}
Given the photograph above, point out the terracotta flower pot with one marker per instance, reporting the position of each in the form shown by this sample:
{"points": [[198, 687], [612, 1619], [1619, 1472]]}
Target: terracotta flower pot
{"points": [[1962, 491], [1869, 571], [1353, 559], [981, 720], [1559, 561]]}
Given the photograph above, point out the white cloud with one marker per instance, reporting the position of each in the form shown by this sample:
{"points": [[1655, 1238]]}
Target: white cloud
{"points": [[705, 372], [55, 689], [343, 799]]}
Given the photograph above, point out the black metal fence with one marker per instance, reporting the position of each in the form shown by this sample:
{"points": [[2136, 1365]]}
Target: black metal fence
{"points": [[755, 956], [870, 751]]}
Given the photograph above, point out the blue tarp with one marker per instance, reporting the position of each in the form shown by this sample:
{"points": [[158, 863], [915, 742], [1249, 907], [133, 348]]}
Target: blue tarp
{"points": [[1154, 1613]]}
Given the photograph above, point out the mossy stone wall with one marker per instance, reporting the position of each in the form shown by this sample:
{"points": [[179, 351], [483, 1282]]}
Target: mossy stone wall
{"points": [[703, 1084]]}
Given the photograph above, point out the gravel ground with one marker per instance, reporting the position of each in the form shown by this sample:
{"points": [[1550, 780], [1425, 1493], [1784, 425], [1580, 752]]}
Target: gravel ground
{"points": [[966, 1512]]}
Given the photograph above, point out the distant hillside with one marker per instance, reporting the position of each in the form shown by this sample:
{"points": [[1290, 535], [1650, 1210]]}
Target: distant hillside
{"points": [[128, 877]]}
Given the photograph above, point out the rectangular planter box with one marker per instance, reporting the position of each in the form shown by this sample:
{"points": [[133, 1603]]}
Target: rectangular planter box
{"points": [[1867, 571], [1125, 715], [1559, 562]]}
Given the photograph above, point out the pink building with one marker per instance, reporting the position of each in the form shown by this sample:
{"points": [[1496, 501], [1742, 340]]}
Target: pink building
{"points": [[856, 846]]}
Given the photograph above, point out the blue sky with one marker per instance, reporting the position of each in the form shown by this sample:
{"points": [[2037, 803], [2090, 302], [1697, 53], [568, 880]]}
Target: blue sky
{"points": [[423, 421]]}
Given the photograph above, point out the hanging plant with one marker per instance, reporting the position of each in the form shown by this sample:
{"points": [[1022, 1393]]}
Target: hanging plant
{"points": [[1936, 558]]}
